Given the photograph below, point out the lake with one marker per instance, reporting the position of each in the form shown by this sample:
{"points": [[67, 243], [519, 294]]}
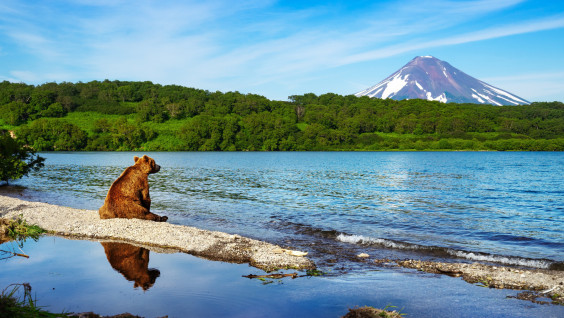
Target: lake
{"points": [[500, 207]]}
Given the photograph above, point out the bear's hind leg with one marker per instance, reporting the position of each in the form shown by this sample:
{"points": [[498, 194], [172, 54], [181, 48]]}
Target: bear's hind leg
{"points": [[133, 211], [154, 217]]}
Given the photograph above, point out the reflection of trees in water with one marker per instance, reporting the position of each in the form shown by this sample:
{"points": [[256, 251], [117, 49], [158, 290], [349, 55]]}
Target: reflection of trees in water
{"points": [[14, 233], [132, 262]]}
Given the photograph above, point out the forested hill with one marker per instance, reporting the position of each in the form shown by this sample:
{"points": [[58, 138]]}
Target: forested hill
{"points": [[115, 115]]}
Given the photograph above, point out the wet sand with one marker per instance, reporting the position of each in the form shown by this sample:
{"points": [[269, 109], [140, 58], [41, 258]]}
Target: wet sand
{"points": [[212, 245]]}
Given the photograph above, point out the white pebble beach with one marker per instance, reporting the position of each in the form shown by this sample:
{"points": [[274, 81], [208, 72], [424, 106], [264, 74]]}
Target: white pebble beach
{"points": [[69, 222]]}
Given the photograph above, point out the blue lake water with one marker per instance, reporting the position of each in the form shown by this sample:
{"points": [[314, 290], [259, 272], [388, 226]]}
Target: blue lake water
{"points": [[491, 206], [506, 207]]}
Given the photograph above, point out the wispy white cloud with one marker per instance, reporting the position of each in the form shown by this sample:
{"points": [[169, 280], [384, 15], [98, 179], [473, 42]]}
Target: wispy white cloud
{"points": [[330, 46], [485, 34], [223, 45], [533, 86], [474, 7], [24, 76]]}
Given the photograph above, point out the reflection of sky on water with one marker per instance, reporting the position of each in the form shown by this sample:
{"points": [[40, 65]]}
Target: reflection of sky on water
{"points": [[75, 276]]}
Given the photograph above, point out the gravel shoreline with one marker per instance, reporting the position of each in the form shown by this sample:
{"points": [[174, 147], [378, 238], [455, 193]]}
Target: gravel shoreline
{"points": [[537, 283], [211, 245]]}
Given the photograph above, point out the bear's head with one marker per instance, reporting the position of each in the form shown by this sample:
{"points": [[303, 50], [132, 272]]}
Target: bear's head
{"points": [[147, 164]]}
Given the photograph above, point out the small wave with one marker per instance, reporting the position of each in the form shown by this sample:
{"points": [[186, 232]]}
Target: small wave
{"points": [[364, 240], [473, 256], [506, 260]]}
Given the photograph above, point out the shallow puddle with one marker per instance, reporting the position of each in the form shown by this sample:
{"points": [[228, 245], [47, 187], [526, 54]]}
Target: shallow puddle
{"points": [[112, 278]]}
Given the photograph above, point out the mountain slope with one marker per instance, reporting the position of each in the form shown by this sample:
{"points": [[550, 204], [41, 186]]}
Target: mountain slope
{"points": [[426, 77]]}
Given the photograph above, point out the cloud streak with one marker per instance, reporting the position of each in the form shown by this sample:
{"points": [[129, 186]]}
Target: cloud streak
{"points": [[522, 27], [547, 86], [219, 45]]}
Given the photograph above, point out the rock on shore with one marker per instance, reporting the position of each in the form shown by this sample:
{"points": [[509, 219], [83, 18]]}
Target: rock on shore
{"points": [[212, 245]]}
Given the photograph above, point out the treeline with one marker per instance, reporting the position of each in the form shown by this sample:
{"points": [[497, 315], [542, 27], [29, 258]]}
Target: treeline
{"points": [[146, 116]]}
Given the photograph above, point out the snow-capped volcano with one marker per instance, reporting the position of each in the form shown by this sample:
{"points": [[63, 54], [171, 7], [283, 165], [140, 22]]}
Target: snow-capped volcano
{"points": [[426, 77]]}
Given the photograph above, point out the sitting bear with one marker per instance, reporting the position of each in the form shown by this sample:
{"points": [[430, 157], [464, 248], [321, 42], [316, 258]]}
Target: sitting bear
{"points": [[132, 262], [128, 196]]}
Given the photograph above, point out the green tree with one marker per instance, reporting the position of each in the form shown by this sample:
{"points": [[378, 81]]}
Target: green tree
{"points": [[53, 134], [40, 101], [207, 133], [14, 113], [54, 110], [16, 159]]}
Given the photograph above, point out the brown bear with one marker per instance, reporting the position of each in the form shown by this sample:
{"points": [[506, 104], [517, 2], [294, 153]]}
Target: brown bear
{"points": [[132, 262], [128, 196]]}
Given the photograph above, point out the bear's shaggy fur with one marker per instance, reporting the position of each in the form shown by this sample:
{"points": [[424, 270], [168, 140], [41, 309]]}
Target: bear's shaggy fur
{"points": [[128, 196]]}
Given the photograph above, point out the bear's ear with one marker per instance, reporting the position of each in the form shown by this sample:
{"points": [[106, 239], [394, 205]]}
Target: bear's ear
{"points": [[135, 158], [145, 158]]}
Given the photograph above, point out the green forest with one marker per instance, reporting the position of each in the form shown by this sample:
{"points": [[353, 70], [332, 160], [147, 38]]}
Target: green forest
{"points": [[143, 116]]}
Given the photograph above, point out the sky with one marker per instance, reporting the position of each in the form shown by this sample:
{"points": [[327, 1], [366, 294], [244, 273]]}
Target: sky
{"points": [[282, 48]]}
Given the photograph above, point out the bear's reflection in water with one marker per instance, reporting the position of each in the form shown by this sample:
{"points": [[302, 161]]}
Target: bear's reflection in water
{"points": [[132, 262]]}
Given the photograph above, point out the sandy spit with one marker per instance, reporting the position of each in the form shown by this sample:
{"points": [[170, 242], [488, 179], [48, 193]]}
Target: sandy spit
{"points": [[548, 284], [211, 245]]}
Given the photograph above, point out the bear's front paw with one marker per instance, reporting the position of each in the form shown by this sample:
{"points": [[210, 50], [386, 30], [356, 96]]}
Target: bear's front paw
{"points": [[163, 219]]}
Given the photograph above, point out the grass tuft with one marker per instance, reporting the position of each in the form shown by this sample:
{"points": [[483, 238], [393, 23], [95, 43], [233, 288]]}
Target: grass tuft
{"points": [[12, 305], [19, 230]]}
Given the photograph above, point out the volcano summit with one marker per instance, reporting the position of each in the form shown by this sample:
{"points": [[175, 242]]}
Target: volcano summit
{"points": [[426, 77]]}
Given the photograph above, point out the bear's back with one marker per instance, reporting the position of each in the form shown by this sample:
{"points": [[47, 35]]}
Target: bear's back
{"points": [[128, 183]]}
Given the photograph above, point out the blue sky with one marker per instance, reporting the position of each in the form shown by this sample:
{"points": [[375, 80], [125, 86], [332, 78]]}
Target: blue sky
{"points": [[282, 48]]}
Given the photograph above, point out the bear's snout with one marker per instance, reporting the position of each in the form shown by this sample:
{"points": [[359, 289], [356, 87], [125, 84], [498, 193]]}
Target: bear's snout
{"points": [[156, 169]]}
